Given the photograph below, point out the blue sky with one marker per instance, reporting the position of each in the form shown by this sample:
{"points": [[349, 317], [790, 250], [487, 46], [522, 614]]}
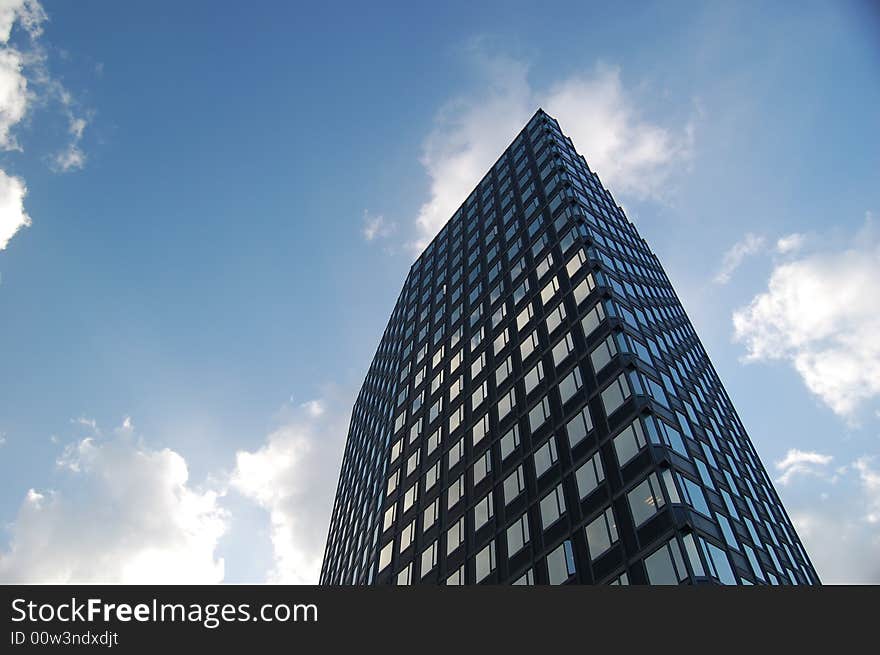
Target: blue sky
{"points": [[224, 201]]}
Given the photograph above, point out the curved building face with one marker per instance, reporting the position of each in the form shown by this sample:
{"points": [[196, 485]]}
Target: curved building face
{"points": [[541, 411]]}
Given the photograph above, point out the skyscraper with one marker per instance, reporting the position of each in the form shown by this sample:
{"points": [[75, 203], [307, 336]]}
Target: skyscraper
{"points": [[540, 409]]}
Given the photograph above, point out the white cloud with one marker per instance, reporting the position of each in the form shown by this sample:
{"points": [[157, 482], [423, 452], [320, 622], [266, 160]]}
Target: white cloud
{"points": [[16, 97], [839, 526], [750, 244], [89, 423], [631, 154], [71, 157], [469, 135], [13, 216], [790, 243], [843, 550], [13, 96], [293, 476], [376, 227], [870, 480], [130, 516], [13, 107], [29, 13], [2, 439], [821, 312], [800, 462]]}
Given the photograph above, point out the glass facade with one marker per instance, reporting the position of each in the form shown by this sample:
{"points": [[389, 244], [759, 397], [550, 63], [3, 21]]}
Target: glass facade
{"points": [[541, 411]]}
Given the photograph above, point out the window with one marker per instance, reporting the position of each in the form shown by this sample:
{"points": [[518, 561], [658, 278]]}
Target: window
{"points": [[563, 349], [602, 354], [582, 290], [545, 457], [629, 442], [436, 408], [693, 494], [552, 507], [432, 475], [615, 394], [589, 475], [727, 531], [456, 452], [478, 364], [620, 581], [385, 555], [514, 485], [519, 265], [429, 516], [429, 558], [527, 578], [393, 479], [390, 515], [529, 344], [550, 290], [455, 536], [509, 442], [593, 319], [396, 448], [457, 577], [544, 265], [646, 499], [483, 511], [415, 431], [506, 403], [601, 533], [406, 536], [719, 565], [456, 388], [504, 370], [499, 315], [570, 385], [433, 442], [661, 432], [539, 414], [524, 316], [481, 429], [417, 402], [412, 463], [409, 498], [579, 426], [482, 467], [479, 394], [534, 377], [520, 292], [455, 492], [456, 418], [753, 562], [500, 341], [455, 361], [518, 535], [665, 566], [574, 264], [560, 563], [555, 318], [485, 561]]}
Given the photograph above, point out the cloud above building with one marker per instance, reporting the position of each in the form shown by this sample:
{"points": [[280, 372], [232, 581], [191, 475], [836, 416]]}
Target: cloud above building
{"points": [[634, 156]]}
